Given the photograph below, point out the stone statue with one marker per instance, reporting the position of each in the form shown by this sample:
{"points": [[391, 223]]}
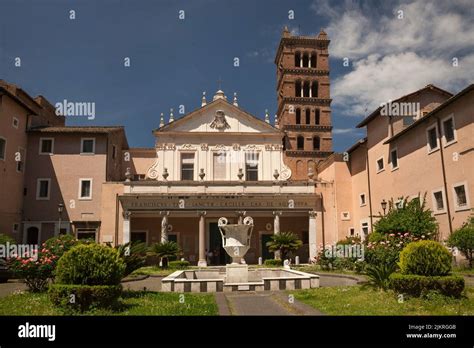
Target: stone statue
{"points": [[219, 122]]}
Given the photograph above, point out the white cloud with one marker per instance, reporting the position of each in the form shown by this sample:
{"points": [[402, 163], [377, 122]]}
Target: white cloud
{"points": [[346, 131], [392, 57]]}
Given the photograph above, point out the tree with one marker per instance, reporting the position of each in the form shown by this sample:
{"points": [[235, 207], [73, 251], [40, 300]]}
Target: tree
{"points": [[165, 251], [463, 239], [284, 242], [408, 216]]}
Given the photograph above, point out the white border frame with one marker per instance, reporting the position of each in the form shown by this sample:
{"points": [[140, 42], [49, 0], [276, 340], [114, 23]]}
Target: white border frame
{"points": [[431, 150], [466, 190], [93, 147], [433, 201], [81, 180], [443, 135], [38, 198], [41, 143]]}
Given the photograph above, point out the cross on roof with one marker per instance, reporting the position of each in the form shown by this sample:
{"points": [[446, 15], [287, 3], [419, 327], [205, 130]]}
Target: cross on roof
{"points": [[219, 82]]}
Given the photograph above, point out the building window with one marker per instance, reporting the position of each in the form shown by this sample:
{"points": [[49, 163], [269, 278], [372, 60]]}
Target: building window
{"points": [[449, 132], [138, 236], [87, 146], [308, 116], [187, 166], [438, 201], [15, 123], [16, 227], [432, 137], [394, 158], [313, 59], [305, 60], [43, 189], [365, 230], [297, 59], [316, 143], [380, 165], [300, 142], [114, 151], [46, 146], [3, 148], [86, 233], [251, 166], [220, 165], [314, 89], [85, 188], [20, 160], [317, 117], [298, 89], [298, 116], [461, 198], [362, 200], [351, 231], [306, 89]]}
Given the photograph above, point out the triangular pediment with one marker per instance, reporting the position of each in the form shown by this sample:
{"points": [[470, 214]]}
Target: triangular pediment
{"points": [[219, 116]]}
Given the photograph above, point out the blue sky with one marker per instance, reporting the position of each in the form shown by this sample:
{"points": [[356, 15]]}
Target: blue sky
{"points": [[173, 61]]}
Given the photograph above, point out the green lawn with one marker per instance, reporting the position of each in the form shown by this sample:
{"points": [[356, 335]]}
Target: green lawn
{"points": [[131, 303], [357, 300]]}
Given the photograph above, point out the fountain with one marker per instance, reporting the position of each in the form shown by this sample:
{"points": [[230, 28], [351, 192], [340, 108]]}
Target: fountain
{"points": [[237, 276]]}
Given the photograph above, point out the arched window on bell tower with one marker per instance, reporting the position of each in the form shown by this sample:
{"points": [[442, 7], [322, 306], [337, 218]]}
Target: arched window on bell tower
{"points": [[316, 143], [300, 142], [298, 89], [305, 60], [317, 119], [298, 116], [313, 59], [308, 116], [297, 59], [306, 89], [314, 89]]}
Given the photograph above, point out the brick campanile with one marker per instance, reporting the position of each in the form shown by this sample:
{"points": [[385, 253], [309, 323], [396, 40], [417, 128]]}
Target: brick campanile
{"points": [[304, 103]]}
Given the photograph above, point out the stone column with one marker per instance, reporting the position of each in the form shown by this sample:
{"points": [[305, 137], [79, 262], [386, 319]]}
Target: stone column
{"points": [[276, 228], [301, 60], [313, 246], [310, 85], [302, 88], [202, 239], [126, 226], [309, 60], [164, 226]]}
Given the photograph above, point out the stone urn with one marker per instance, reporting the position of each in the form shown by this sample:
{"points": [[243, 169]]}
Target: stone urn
{"points": [[236, 238]]}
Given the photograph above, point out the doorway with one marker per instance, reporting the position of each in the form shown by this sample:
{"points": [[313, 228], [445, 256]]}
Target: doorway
{"points": [[220, 256], [266, 254], [32, 235]]}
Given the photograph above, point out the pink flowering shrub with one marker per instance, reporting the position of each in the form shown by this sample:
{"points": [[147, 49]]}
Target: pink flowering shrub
{"points": [[38, 269]]}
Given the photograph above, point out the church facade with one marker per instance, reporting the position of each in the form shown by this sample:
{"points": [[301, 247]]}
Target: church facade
{"points": [[220, 160]]}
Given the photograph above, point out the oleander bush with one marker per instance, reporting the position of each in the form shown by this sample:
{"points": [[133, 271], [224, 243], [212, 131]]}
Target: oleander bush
{"points": [[426, 258], [418, 285], [273, 262]]}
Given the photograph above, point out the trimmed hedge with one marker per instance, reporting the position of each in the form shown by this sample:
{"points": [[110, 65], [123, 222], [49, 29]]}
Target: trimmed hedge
{"points": [[74, 298], [418, 285], [427, 258], [90, 264], [273, 262], [179, 264]]}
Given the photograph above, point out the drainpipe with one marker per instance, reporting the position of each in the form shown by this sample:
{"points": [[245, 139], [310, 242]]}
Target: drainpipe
{"points": [[116, 219], [322, 220], [368, 186], [443, 170]]}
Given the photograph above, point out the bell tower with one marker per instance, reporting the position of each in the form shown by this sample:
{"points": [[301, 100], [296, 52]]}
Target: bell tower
{"points": [[304, 103]]}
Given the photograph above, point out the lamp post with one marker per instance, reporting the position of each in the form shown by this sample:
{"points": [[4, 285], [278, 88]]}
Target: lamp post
{"points": [[60, 211], [384, 206]]}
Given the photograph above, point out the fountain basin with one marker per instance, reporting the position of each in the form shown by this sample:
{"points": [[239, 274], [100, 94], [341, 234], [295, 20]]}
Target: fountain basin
{"points": [[259, 279]]}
